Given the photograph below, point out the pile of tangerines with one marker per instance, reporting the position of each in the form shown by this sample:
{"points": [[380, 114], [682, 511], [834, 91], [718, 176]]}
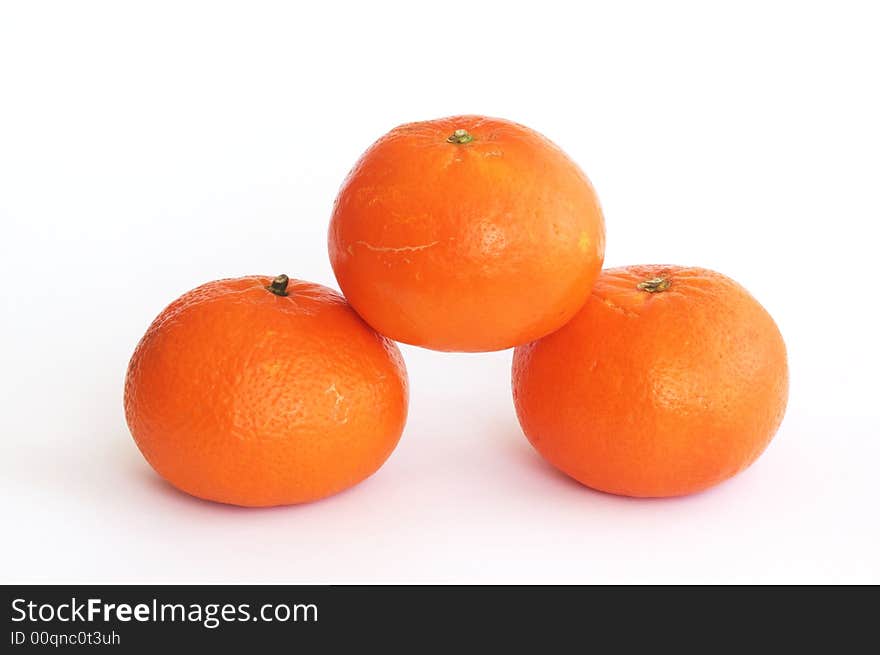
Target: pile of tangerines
{"points": [[460, 234]]}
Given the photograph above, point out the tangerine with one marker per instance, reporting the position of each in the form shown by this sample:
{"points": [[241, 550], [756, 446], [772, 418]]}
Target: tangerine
{"points": [[258, 392], [669, 380], [466, 233]]}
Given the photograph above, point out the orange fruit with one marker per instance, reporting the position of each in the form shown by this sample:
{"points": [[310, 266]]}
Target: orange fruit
{"points": [[466, 234], [668, 381], [256, 392]]}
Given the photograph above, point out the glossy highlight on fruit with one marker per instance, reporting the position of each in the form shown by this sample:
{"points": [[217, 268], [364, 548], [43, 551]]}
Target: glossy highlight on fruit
{"points": [[258, 391], [670, 380], [466, 233]]}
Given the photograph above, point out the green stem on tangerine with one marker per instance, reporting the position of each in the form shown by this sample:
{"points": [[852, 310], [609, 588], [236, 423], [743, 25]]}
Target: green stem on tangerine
{"points": [[279, 285], [460, 136], [654, 285]]}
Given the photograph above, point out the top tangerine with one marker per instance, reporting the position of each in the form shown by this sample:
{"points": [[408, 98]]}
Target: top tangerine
{"points": [[466, 234]]}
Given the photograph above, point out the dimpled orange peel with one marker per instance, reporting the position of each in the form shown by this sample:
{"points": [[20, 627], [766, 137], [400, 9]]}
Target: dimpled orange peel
{"points": [[670, 380], [466, 233], [258, 391]]}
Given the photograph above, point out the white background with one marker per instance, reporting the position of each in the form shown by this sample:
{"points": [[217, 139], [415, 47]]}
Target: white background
{"points": [[146, 148]]}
